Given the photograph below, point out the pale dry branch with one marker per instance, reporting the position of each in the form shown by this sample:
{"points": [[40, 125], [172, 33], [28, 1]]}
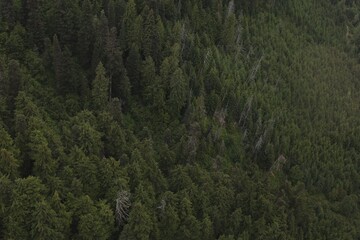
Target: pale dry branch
{"points": [[122, 207]]}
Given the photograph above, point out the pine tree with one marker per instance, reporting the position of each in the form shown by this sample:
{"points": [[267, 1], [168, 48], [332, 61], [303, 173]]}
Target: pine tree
{"points": [[178, 91], [114, 62], [129, 22], [8, 12], [139, 224], [16, 82], [40, 154], [9, 164], [6, 197], [101, 28], [58, 64], [207, 228], [26, 194], [149, 40], [97, 224], [15, 44], [27, 119], [111, 14], [228, 36], [85, 34], [189, 227], [148, 79], [4, 89], [34, 22], [133, 68], [100, 89], [44, 222], [63, 216], [81, 131]]}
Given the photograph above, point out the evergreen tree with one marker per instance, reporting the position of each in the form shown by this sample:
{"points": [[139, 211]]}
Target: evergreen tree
{"points": [[101, 27], [98, 224], [133, 68], [15, 82], [85, 34], [58, 64], [129, 23], [34, 22], [178, 90], [15, 44], [229, 33], [148, 79], [40, 154], [100, 89], [19, 221], [201, 119], [8, 12], [139, 224], [150, 44]]}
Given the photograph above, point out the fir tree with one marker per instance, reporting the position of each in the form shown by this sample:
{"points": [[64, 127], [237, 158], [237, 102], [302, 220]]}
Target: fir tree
{"points": [[100, 89]]}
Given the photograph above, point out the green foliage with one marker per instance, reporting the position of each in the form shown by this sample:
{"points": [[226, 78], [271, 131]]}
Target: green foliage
{"points": [[97, 224], [179, 119], [100, 89], [139, 224]]}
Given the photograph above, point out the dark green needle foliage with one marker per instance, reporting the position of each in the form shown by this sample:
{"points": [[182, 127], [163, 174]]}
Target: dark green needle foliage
{"points": [[179, 119]]}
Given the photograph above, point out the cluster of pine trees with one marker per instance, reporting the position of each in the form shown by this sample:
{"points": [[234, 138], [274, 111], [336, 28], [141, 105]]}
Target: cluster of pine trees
{"points": [[179, 119]]}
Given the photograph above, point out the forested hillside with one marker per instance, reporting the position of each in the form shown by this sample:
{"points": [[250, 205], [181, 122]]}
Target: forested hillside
{"points": [[179, 119]]}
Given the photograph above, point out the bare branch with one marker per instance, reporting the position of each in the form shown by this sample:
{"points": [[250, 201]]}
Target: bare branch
{"points": [[122, 207], [231, 8], [278, 164], [255, 69]]}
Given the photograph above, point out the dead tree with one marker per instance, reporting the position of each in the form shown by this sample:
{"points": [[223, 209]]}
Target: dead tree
{"points": [[122, 207], [278, 164]]}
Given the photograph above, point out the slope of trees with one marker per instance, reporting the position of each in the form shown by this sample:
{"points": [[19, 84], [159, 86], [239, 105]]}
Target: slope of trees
{"points": [[169, 119]]}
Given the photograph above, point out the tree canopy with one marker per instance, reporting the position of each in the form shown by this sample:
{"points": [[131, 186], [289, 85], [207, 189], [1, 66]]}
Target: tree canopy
{"points": [[179, 119]]}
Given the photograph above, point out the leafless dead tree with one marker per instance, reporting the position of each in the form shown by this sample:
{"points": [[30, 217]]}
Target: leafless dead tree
{"points": [[207, 58], [162, 205], [122, 207], [245, 112], [259, 143], [278, 164], [231, 8], [220, 116], [255, 69]]}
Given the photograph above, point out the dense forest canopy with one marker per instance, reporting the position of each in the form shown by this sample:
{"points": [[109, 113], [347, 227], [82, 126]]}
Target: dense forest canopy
{"points": [[179, 119]]}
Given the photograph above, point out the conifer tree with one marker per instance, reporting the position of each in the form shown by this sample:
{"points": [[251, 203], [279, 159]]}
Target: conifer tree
{"points": [[111, 13], [129, 22], [133, 68], [139, 224], [8, 12], [26, 194], [228, 36], [58, 64], [85, 34], [34, 22], [16, 82], [40, 154], [97, 224], [149, 39], [178, 91], [100, 89], [8, 155], [101, 28], [148, 78], [15, 44]]}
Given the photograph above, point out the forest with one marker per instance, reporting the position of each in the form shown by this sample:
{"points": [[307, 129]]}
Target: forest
{"points": [[180, 119]]}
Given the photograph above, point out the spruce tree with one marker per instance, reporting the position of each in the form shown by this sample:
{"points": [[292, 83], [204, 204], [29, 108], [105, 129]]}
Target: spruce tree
{"points": [[100, 89], [85, 35], [58, 64]]}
